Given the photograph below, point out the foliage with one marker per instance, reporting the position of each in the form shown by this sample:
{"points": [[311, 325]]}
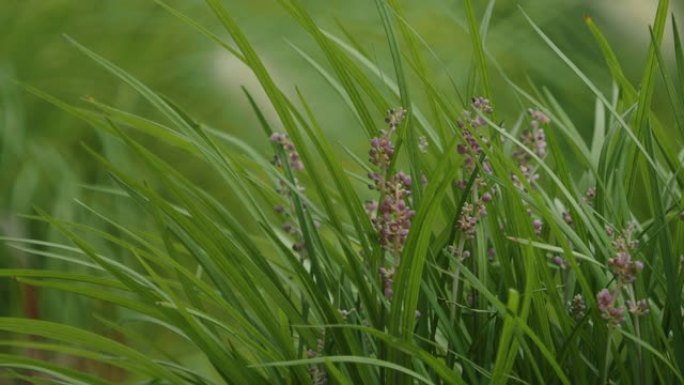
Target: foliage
{"points": [[470, 247]]}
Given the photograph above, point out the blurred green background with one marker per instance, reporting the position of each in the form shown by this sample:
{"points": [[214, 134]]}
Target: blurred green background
{"points": [[43, 164]]}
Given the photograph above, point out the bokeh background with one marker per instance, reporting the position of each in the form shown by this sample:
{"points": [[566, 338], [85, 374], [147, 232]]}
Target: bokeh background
{"points": [[42, 161]]}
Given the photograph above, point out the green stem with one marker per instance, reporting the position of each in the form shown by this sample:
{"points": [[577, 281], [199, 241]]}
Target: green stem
{"points": [[604, 375], [637, 329]]}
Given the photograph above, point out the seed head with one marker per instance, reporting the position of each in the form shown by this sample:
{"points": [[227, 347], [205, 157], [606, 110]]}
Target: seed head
{"points": [[638, 308], [395, 116], [423, 144], [482, 104], [292, 155], [567, 217], [577, 307], [590, 195], [538, 116]]}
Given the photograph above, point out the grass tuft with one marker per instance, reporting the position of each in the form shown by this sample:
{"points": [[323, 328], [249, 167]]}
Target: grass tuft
{"points": [[484, 243]]}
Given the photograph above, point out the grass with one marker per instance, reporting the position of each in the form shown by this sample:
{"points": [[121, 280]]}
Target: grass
{"points": [[494, 245]]}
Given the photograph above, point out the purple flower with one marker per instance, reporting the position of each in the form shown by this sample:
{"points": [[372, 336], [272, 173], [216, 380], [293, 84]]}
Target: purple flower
{"points": [[391, 217], [538, 116], [605, 299], [460, 184], [387, 278], [292, 155], [622, 264], [638, 266], [423, 179], [371, 208], [288, 227], [277, 137], [486, 197], [381, 152], [560, 262], [606, 304], [468, 220], [481, 104], [615, 315], [394, 213], [537, 225], [533, 139], [284, 189], [471, 147], [295, 162]]}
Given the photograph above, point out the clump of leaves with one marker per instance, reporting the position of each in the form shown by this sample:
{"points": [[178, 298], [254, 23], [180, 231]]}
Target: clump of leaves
{"points": [[501, 253]]}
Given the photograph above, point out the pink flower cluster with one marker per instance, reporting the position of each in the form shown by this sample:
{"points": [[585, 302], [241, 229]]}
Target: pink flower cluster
{"points": [[391, 217], [472, 124], [319, 376], [625, 269], [284, 189], [577, 307], [387, 278], [382, 150], [533, 139], [622, 264], [292, 155], [470, 217], [610, 311]]}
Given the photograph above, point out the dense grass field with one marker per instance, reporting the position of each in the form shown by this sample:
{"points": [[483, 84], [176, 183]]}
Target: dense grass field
{"points": [[363, 192]]}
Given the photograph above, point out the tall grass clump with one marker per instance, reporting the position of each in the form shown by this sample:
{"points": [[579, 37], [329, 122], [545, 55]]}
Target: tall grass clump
{"points": [[466, 244]]}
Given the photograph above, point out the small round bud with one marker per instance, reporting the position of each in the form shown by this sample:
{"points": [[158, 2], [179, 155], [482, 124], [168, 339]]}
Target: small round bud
{"points": [[537, 224], [638, 265], [486, 197]]}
